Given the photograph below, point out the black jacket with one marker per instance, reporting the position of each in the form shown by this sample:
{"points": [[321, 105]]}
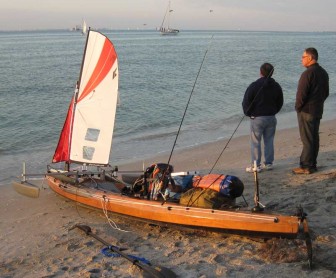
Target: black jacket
{"points": [[313, 89], [263, 97]]}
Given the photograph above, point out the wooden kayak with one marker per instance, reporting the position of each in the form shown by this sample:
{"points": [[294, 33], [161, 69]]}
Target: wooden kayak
{"points": [[102, 194]]}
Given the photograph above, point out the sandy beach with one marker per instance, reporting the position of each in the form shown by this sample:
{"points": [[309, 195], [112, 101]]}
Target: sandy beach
{"points": [[37, 239]]}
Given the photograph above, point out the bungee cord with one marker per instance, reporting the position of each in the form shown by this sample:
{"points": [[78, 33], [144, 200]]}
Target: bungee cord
{"points": [[113, 225]]}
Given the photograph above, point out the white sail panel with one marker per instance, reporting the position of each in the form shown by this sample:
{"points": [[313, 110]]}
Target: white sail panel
{"points": [[96, 103]]}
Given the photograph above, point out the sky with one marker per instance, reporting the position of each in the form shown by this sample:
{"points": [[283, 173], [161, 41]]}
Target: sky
{"points": [[258, 15]]}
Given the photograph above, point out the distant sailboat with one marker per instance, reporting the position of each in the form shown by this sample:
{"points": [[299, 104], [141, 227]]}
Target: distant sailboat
{"points": [[84, 28], [165, 26]]}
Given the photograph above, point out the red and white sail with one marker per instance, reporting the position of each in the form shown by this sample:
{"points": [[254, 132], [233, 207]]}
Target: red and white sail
{"points": [[87, 132]]}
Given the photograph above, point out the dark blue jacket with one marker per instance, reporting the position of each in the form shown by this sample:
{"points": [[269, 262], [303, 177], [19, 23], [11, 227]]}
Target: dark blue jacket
{"points": [[263, 97]]}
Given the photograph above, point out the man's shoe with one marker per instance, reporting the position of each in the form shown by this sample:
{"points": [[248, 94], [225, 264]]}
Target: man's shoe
{"points": [[304, 171], [313, 169], [268, 167]]}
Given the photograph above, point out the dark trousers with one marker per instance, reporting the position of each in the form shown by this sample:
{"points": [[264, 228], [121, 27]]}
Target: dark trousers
{"points": [[309, 133]]}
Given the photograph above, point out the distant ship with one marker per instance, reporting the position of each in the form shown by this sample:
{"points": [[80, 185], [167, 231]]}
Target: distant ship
{"points": [[165, 26], [80, 28]]}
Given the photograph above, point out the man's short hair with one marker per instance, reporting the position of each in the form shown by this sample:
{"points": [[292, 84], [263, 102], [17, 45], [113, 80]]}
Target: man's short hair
{"points": [[312, 52], [266, 70]]}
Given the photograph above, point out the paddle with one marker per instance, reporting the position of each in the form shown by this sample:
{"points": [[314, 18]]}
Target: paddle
{"points": [[152, 271]]}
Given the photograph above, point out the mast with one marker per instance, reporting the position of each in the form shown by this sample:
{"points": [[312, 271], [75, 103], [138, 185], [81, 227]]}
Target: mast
{"points": [[83, 59], [164, 18], [75, 98]]}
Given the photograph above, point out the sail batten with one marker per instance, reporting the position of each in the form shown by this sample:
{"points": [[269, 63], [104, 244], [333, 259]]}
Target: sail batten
{"points": [[87, 133]]}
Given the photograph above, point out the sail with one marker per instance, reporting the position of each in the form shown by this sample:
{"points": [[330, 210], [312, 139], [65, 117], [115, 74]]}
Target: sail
{"points": [[87, 132], [62, 151], [84, 28]]}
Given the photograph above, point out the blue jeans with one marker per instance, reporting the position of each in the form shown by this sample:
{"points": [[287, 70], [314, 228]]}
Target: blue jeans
{"points": [[309, 133], [263, 127]]}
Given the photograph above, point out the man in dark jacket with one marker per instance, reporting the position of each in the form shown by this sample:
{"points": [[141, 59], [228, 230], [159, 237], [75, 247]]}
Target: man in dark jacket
{"points": [[313, 89], [262, 100]]}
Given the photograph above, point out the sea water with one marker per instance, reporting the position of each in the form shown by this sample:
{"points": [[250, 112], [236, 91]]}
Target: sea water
{"points": [[158, 76]]}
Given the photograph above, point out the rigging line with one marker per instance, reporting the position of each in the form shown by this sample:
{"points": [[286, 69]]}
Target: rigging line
{"points": [[249, 107], [227, 143], [192, 91]]}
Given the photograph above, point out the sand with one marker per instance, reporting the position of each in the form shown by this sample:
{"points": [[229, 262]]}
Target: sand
{"points": [[37, 239]]}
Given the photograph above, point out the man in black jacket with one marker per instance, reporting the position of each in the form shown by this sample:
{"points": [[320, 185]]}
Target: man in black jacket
{"points": [[313, 89], [262, 100]]}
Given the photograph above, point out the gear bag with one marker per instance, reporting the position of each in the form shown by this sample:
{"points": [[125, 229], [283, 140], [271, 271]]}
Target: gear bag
{"points": [[205, 198], [229, 186]]}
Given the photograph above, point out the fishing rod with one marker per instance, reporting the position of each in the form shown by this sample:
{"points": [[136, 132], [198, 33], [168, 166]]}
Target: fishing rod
{"points": [[185, 111], [235, 130], [192, 91]]}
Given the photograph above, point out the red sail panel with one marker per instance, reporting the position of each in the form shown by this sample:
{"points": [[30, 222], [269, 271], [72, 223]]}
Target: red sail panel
{"points": [[62, 152], [104, 64]]}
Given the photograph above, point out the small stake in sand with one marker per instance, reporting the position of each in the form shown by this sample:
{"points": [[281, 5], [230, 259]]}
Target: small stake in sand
{"points": [[257, 207]]}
